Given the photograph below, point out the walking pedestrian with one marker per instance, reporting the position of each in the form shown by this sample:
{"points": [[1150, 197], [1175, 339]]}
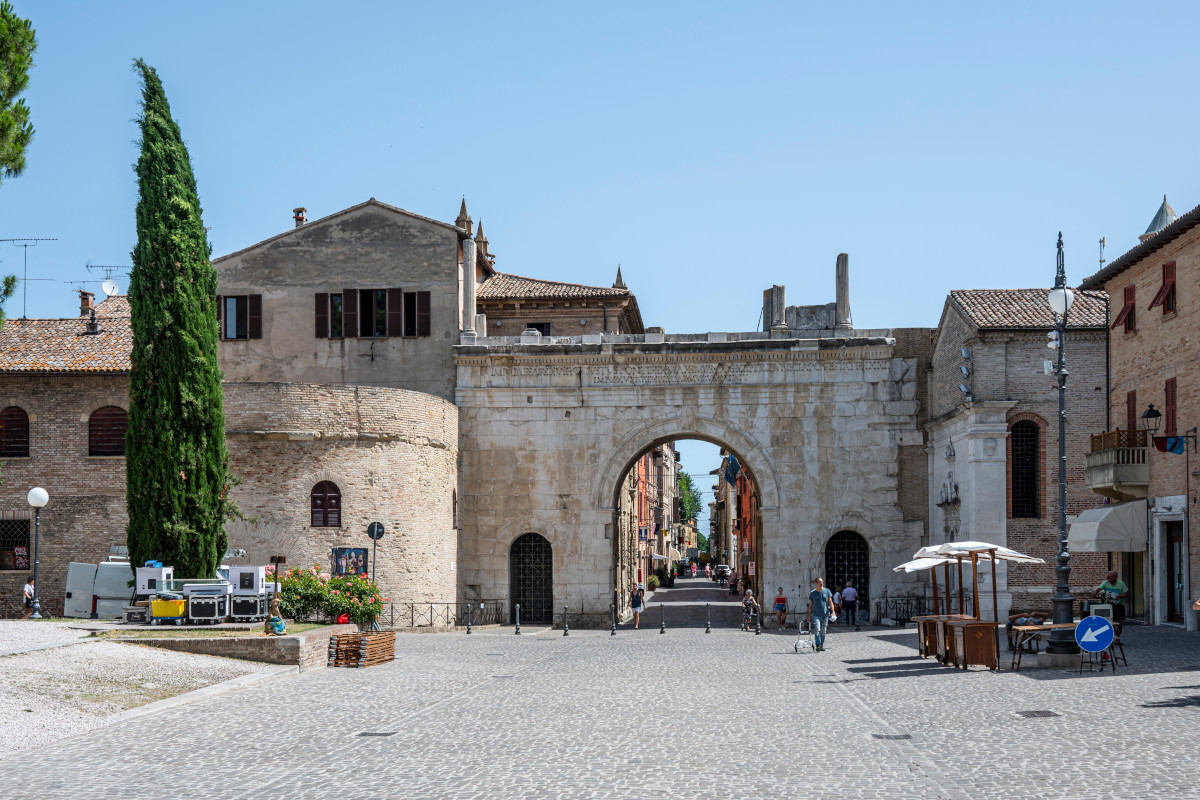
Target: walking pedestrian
{"points": [[820, 606], [748, 607], [28, 594], [849, 604], [638, 601]]}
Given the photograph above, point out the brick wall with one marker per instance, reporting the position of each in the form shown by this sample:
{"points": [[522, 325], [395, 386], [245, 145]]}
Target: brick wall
{"points": [[944, 376], [1163, 346], [912, 462], [86, 512]]}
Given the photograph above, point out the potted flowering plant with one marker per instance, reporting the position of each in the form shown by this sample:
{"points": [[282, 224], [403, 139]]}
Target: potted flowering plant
{"points": [[302, 592], [355, 596]]}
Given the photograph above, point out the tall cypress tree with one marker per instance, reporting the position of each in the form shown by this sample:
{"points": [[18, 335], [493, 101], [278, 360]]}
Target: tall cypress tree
{"points": [[175, 457]]}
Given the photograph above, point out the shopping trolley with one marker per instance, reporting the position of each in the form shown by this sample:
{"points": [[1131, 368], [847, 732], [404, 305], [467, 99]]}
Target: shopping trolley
{"points": [[804, 640]]}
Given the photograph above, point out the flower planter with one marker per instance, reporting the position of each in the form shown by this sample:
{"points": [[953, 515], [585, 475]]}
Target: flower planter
{"points": [[364, 649]]}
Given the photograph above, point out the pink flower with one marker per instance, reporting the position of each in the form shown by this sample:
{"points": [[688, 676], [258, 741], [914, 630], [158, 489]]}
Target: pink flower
{"points": [[324, 576]]}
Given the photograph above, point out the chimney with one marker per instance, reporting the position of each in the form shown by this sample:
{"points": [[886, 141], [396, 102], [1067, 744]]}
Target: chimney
{"points": [[842, 306], [91, 327], [299, 215], [87, 301]]}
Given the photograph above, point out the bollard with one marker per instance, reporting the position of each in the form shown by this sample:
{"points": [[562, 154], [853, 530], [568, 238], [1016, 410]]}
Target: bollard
{"points": [[566, 627], [518, 631], [708, 617], [662, 627], [468, 619], [613, 607], [757, 628]]}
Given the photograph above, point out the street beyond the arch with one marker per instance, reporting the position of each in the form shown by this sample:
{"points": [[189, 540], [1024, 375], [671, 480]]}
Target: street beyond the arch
{"points": [[685, 713]]}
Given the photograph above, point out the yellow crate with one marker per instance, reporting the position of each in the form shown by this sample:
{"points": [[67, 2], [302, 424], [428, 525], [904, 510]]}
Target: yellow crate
{"points": [[168, 608]]}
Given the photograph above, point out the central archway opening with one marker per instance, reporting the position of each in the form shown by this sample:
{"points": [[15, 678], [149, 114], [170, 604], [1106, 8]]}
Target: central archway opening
{"points": [[688, 530]]}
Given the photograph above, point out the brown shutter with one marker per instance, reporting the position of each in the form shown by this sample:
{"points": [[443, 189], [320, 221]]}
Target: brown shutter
{"points": [[1169, 411], [254, 316], [423, 314], [349, 313], [395, 312], [1131, 415], [322, 315]]}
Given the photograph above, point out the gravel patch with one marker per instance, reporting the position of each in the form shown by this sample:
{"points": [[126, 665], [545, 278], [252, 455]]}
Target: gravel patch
{"points": [[48, 695], [20, 634]]}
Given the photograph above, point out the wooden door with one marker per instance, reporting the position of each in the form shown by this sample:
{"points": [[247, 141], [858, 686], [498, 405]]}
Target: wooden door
{"points": [[1176, 563]]}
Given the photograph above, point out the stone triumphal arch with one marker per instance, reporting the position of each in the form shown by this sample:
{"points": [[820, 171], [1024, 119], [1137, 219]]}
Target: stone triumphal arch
{"points": [[827, 427]]}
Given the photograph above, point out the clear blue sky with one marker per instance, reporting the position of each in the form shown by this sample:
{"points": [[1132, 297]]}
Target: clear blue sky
{"points": [[712, 149]]}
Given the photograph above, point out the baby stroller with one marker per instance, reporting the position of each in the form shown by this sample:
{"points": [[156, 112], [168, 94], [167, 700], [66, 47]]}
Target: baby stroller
{"points": [[805, 642]]}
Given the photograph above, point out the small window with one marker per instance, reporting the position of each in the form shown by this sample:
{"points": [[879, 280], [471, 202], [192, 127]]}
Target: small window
{"points": [[106, 431], [240, 316], [416, 313], [14, 544], [1166, 293], [1025, 472], [329, 316], [541, 327], [1128, 314], [372, 313], [14, 433], [326, 505]]}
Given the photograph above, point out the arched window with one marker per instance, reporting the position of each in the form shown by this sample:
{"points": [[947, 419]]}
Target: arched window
{"points": [[14, 433], [106, 431], [326, 505], [1025, 473]]}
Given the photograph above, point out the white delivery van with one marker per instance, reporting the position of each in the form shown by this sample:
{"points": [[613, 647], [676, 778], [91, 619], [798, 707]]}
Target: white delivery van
{"points": [[100, 590]]}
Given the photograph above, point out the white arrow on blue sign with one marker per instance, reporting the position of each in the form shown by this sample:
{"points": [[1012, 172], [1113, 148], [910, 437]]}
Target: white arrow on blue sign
{"points": [[1094, 634]]}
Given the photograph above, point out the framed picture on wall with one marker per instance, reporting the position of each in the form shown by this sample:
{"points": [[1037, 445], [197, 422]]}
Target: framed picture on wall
{"points": [[349, 561]]}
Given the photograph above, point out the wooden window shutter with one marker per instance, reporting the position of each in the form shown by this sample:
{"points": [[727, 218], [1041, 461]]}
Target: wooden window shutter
{"points": [[220, 302], [423, 314], [322, 315], [1168, 283], [1169, 411], [1126, 317], [1131, 415], [395, 312], [254, 316], [350, 313]]}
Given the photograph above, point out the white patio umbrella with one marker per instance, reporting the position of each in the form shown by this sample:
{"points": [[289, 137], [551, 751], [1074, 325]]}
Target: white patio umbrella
{"points": [[982, 550], [918, 564]]}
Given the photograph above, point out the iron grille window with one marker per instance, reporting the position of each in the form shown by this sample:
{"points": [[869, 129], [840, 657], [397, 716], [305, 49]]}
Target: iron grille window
{"points": [[326, 505], [14, 433], [848, 558], [1025, 470], [531, 578], [106, 431], [14, 544]]}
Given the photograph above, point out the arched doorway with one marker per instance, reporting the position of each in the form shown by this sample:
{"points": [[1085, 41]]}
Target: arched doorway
{"points": [[531, 578], [848, 558]]}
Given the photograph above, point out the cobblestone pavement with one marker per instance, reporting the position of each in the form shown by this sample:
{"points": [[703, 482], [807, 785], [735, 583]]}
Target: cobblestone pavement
{"points": [[683, 714]]}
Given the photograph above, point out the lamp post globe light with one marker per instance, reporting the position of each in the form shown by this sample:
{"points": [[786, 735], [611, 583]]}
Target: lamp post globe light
{"points": [[1062, 640], [37, 497]]}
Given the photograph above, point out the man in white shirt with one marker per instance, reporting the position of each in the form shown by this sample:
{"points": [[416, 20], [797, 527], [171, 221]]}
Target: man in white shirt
{"points": [[28, 594], [849, 604]]}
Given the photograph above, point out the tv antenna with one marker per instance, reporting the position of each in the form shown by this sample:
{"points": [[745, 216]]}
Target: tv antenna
{"points": [[26, 244], [1101, 252], [109, 285]]}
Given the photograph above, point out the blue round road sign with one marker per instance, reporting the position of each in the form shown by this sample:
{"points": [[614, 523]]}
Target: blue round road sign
{"points": [[1094, 634]]}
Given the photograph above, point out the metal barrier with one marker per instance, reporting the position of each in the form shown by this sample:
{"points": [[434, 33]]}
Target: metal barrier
{"points": [[442, 615], [902, 609]]}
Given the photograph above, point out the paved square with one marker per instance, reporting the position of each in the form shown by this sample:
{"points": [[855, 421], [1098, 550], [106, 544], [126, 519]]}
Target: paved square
{"points": [[685, 714]]}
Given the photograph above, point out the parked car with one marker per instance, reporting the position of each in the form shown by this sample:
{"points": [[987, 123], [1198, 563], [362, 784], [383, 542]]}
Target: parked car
{"points": [[100, 590]]}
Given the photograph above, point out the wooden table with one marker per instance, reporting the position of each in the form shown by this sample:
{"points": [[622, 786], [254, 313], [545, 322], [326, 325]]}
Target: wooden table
{"points": [[973, 641], [1028, 633]]}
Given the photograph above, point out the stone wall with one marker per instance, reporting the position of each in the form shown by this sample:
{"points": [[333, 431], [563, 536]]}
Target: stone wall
{"points": [[393, 454], [86, 513], [549, 431], [368, 247], [307, 650]]}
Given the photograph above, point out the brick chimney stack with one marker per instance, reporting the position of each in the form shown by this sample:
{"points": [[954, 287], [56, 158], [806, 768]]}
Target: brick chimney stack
{"points": [[300, 216], [87, 302]]}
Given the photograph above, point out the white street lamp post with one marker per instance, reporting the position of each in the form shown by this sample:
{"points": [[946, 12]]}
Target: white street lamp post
{"points": [[37, 498]]}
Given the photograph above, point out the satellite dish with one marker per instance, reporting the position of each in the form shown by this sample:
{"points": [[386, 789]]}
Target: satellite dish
{"points": [[109, 286]]}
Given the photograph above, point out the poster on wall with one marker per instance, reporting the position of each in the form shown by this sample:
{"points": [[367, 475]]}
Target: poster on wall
{"points": [[349, 561], [21, 557]]}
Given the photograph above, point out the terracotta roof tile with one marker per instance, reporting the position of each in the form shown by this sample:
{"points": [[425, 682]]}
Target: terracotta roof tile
{"points": [[503, 286], [62, 345], [1026, 308]]}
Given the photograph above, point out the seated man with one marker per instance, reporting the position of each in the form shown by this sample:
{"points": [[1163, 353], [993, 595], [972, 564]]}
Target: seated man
{"points": [[1023, 618], [1114, 591]]}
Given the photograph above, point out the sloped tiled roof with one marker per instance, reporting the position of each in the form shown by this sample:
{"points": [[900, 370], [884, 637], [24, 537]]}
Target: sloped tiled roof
{"points": [[1164, 217], [62, 345], [1159, 240], [503, 286], [1026, 308]]}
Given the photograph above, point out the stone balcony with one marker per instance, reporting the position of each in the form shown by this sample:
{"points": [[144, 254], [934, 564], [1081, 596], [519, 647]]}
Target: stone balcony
{"points": [[1116, 465]]}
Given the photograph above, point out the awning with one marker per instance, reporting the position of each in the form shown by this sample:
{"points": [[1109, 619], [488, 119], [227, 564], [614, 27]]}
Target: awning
{"points": [[922, 563], [675, 555], [658, 557], [1119, 528]]}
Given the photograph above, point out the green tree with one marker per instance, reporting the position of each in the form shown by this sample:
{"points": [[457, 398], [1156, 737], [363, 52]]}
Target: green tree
{"points": [[177, 467], [689, 497], [17, 46], [702, 542]]}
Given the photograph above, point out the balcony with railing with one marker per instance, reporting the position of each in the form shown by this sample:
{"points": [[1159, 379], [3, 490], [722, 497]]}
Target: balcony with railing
{"points": [[1117, 466]]}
